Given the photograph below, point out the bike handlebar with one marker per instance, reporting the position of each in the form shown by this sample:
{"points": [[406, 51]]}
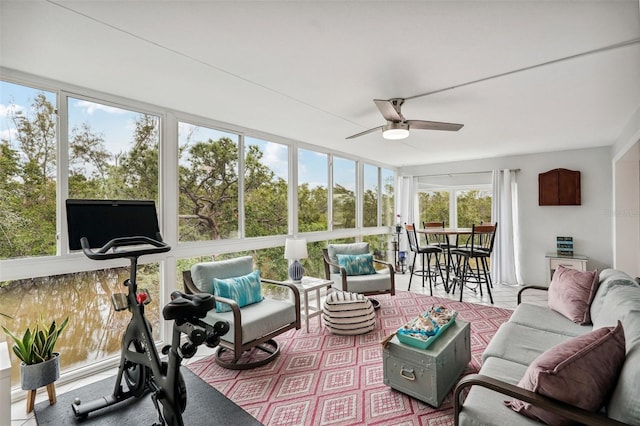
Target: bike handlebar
{"points": [[103, 252]]}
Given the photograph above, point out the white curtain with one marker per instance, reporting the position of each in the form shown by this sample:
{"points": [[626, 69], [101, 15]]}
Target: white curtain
{"points": [[405, 205], [505, 262]]}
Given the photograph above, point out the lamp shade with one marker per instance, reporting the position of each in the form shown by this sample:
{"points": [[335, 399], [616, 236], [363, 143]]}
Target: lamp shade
{"points": [[295, 249]]}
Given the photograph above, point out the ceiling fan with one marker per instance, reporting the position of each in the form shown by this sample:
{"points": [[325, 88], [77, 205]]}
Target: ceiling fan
{"points": [[397, 126]]}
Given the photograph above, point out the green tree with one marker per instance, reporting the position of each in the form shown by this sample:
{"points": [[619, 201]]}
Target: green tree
{"points": [[312, 208], [90, 163], [434, 207], [265, 198], [28, 182], [137, 170], [344, 208], [474, 206], [209, 193], [370, 208]]}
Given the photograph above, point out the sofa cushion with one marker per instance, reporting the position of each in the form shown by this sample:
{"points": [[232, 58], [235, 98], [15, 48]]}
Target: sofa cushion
{"points": [[245, 290], [582, 371], [380, 281], [521, 344], [610, 279], [357, 264], [484, 407], [351, 248], [543, 318], [203, 273], [622, 303], [571, 293], [258, 319], [623, 405]]}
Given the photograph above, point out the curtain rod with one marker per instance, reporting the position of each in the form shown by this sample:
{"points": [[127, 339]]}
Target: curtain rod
{"points": [[465, 173]]}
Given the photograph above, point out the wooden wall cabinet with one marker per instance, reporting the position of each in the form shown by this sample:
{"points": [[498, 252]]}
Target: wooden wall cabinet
{"points": [[559, 187]]}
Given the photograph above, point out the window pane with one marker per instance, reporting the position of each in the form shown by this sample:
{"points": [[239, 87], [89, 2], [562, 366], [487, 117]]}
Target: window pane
{"points": [[370, 208], [433, 207], [113, 152], [388, 190], [474, 206], [208, 182], [95, 330], [27, 171], [381, 247], [313, 182], [344, 193], [266, 182]]}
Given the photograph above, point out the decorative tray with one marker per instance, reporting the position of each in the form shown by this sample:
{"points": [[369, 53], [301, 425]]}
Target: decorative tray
{"points": [[422, 331]]}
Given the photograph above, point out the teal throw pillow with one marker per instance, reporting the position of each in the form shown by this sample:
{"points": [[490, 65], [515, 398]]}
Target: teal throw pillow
{"points": [[357, 264], [245, 290]]}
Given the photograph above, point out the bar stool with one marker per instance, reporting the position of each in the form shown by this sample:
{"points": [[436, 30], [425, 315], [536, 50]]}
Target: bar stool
{"points": [[479, 249], [425, 252], [441, 239]]}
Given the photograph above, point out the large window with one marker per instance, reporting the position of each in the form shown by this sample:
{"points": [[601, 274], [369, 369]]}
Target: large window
{"points": [[371, 196], [313, 181], [208, 182], [434, 206], [95, 329], [344, 193], [387, 197], [113, 152], [27, 171], [457, 200], [266, 185], [473, 206], [219, 193]]}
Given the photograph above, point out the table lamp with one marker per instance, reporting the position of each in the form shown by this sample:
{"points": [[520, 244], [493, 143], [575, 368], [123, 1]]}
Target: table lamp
{"points": [[295, 249]]}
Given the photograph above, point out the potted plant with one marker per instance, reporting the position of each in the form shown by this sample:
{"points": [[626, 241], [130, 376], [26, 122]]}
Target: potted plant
{"points": [[40, 364]]}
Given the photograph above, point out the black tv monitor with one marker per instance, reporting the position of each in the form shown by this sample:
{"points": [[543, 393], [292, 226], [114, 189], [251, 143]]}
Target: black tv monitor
{"points": [[103, 220]]}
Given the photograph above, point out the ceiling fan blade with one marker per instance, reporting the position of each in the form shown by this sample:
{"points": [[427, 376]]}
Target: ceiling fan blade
{"points": [[433, 125], [390, 109], [365, 132]]}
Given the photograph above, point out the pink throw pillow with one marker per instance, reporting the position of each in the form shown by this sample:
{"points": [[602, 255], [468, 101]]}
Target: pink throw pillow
{"points": [[571, 293], [582, 372]]}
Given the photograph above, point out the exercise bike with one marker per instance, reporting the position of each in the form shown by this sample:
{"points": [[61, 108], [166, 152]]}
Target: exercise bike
{"points": [[141, 370]]}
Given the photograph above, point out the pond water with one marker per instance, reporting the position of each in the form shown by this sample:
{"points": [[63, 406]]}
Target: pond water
{"points": [[95, 329]]}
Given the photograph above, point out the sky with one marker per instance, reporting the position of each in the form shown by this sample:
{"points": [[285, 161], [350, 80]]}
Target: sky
{"points": [[116, 126]]}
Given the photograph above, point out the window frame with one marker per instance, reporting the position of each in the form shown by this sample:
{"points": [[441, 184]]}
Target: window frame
{"points": [[453, 191]]}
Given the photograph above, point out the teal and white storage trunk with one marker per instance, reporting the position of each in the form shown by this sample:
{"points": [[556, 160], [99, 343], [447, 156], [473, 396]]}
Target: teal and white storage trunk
{"points": [[428, 374]]}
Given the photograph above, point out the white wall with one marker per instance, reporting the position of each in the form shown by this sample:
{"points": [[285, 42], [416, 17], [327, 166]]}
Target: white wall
{"points": [[590, 224], [626, 169]]}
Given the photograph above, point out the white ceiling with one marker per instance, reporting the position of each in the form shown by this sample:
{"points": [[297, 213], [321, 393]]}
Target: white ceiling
{"points": [[309, 70]]}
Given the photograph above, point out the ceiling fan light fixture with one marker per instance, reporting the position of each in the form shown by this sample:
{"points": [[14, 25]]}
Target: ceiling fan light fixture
{"points": [[395, 131]]}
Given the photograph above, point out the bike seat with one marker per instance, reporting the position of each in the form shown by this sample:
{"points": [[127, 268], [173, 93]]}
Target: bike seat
{"points": [[185, 306]]}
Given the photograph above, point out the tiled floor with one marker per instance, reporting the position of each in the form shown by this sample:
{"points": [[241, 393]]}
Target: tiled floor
{"points": [[503, 296]]}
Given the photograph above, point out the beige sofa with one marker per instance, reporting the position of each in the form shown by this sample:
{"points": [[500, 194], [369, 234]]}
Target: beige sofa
{"points": [[532, 330]]}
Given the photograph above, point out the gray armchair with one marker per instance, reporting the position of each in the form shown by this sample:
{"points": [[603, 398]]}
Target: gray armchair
{"points": [[380, 282], [251, 327]]}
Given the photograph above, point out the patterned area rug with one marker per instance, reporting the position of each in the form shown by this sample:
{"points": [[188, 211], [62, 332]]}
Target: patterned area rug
{"points": [[324, 379]]}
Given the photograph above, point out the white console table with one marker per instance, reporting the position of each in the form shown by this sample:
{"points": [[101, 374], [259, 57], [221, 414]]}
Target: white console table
{"points": [[576, 261]]}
